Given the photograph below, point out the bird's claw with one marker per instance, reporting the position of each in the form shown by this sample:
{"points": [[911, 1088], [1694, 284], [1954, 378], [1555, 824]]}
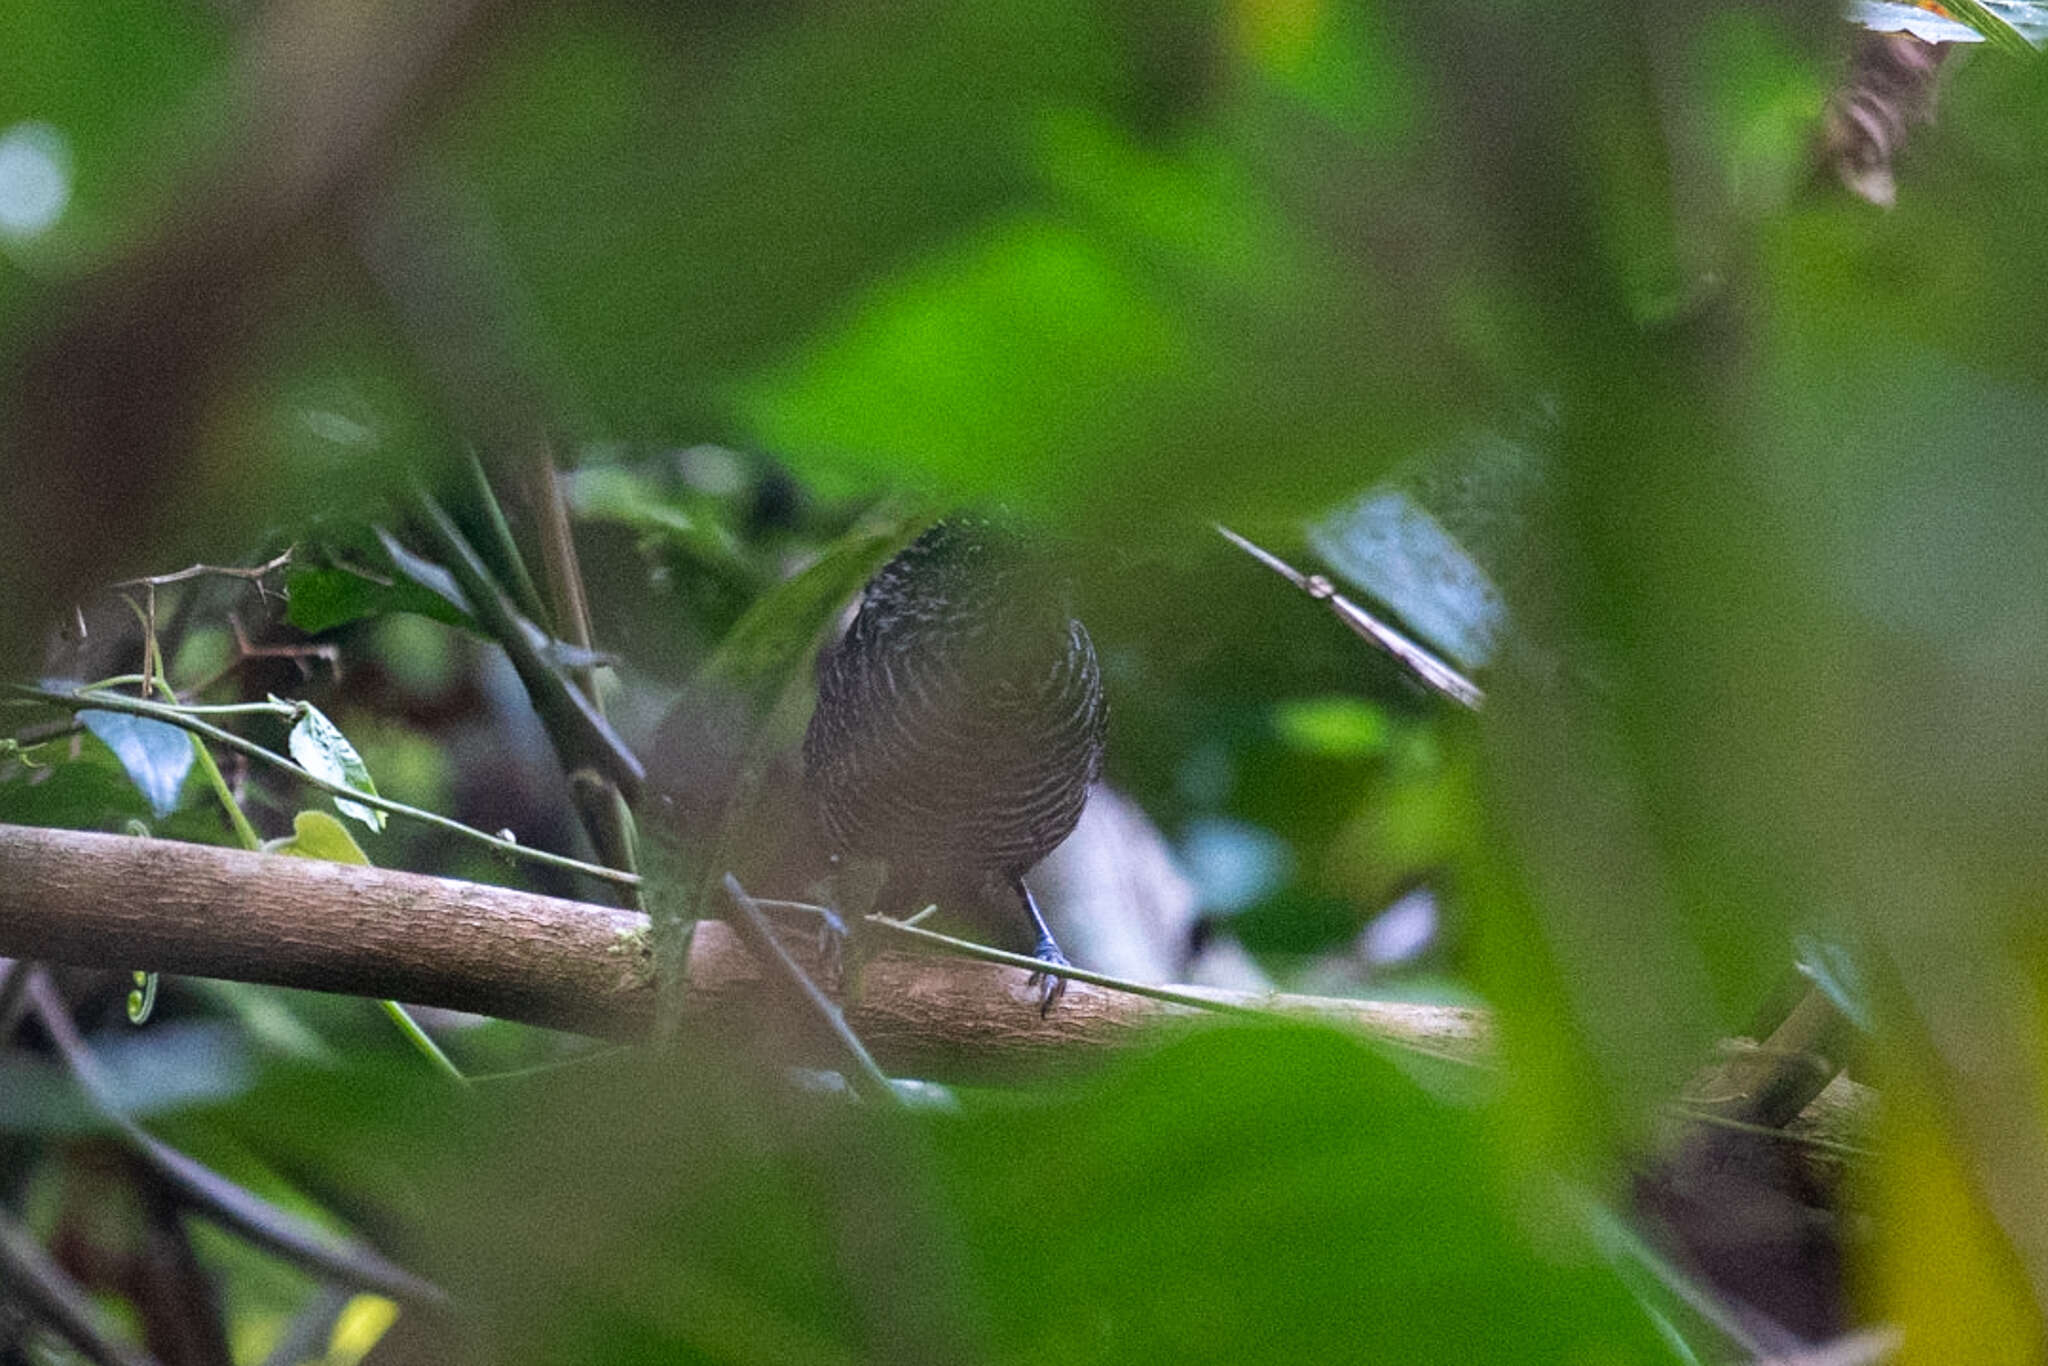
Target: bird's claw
{"points": [[1051, 985]]}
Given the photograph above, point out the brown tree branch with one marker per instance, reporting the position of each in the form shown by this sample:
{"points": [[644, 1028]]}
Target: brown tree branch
{"points": [[118, 902]]}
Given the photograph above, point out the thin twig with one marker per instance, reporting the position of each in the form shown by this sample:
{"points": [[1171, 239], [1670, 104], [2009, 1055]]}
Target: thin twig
{"points": [[152, 662], [525, 595], [753, 928], [417, 1036], [239, 1210], [1422, 664], [284, 711], [13, 994], [600, 803], [1168, 995], [152, 667], [177, 716], [244, 831], [541, 1069], [253, 573], [246, 650], [1624, 1248], [578, 730], [33, 1278], [969, 949], [1678, 1109]]}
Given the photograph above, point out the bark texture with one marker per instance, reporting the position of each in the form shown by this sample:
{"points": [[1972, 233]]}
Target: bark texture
{"points": [[115, 901]]}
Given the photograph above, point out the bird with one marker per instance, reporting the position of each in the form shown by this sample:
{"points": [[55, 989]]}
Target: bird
{"points": [[959, 728]]}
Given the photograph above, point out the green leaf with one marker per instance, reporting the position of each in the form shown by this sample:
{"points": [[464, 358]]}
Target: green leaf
{"points": [[322, 599], [779, 635], [980, 375], [1332, 727], [89, 792], [317, 835], [609, 493], [1213, 1202], [323, 750], [750, 700]]}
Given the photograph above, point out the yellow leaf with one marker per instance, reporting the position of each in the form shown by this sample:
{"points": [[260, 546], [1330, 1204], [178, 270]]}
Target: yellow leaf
{"points": [[315, 834], [1941, 1269]]}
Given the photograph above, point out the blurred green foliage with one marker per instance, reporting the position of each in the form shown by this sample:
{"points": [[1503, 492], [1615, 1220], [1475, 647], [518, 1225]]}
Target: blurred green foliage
{"points": [[1754, 468]]}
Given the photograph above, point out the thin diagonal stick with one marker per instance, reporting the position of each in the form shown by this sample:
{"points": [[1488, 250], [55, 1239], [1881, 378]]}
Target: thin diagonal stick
{"points": [[751, 924], [213, 1195], [1424, 666]]}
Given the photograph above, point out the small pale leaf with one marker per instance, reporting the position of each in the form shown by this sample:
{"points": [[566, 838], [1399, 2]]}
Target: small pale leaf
{"points": [[323, 750]]}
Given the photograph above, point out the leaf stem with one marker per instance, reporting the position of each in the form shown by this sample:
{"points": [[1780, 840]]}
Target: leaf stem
{"points": [[969, 949], [423, 1041], [244, 831]]}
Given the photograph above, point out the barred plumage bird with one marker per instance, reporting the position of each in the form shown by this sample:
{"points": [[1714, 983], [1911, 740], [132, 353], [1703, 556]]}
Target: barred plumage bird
{"points": [[959, 727]]}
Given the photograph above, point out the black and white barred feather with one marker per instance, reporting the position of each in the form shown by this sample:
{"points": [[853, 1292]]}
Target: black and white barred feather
{"points": [[960, 718]]}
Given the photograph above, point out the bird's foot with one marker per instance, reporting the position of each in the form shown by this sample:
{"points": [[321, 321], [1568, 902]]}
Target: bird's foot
{"points": [[1051, 985], [831, 946]]}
